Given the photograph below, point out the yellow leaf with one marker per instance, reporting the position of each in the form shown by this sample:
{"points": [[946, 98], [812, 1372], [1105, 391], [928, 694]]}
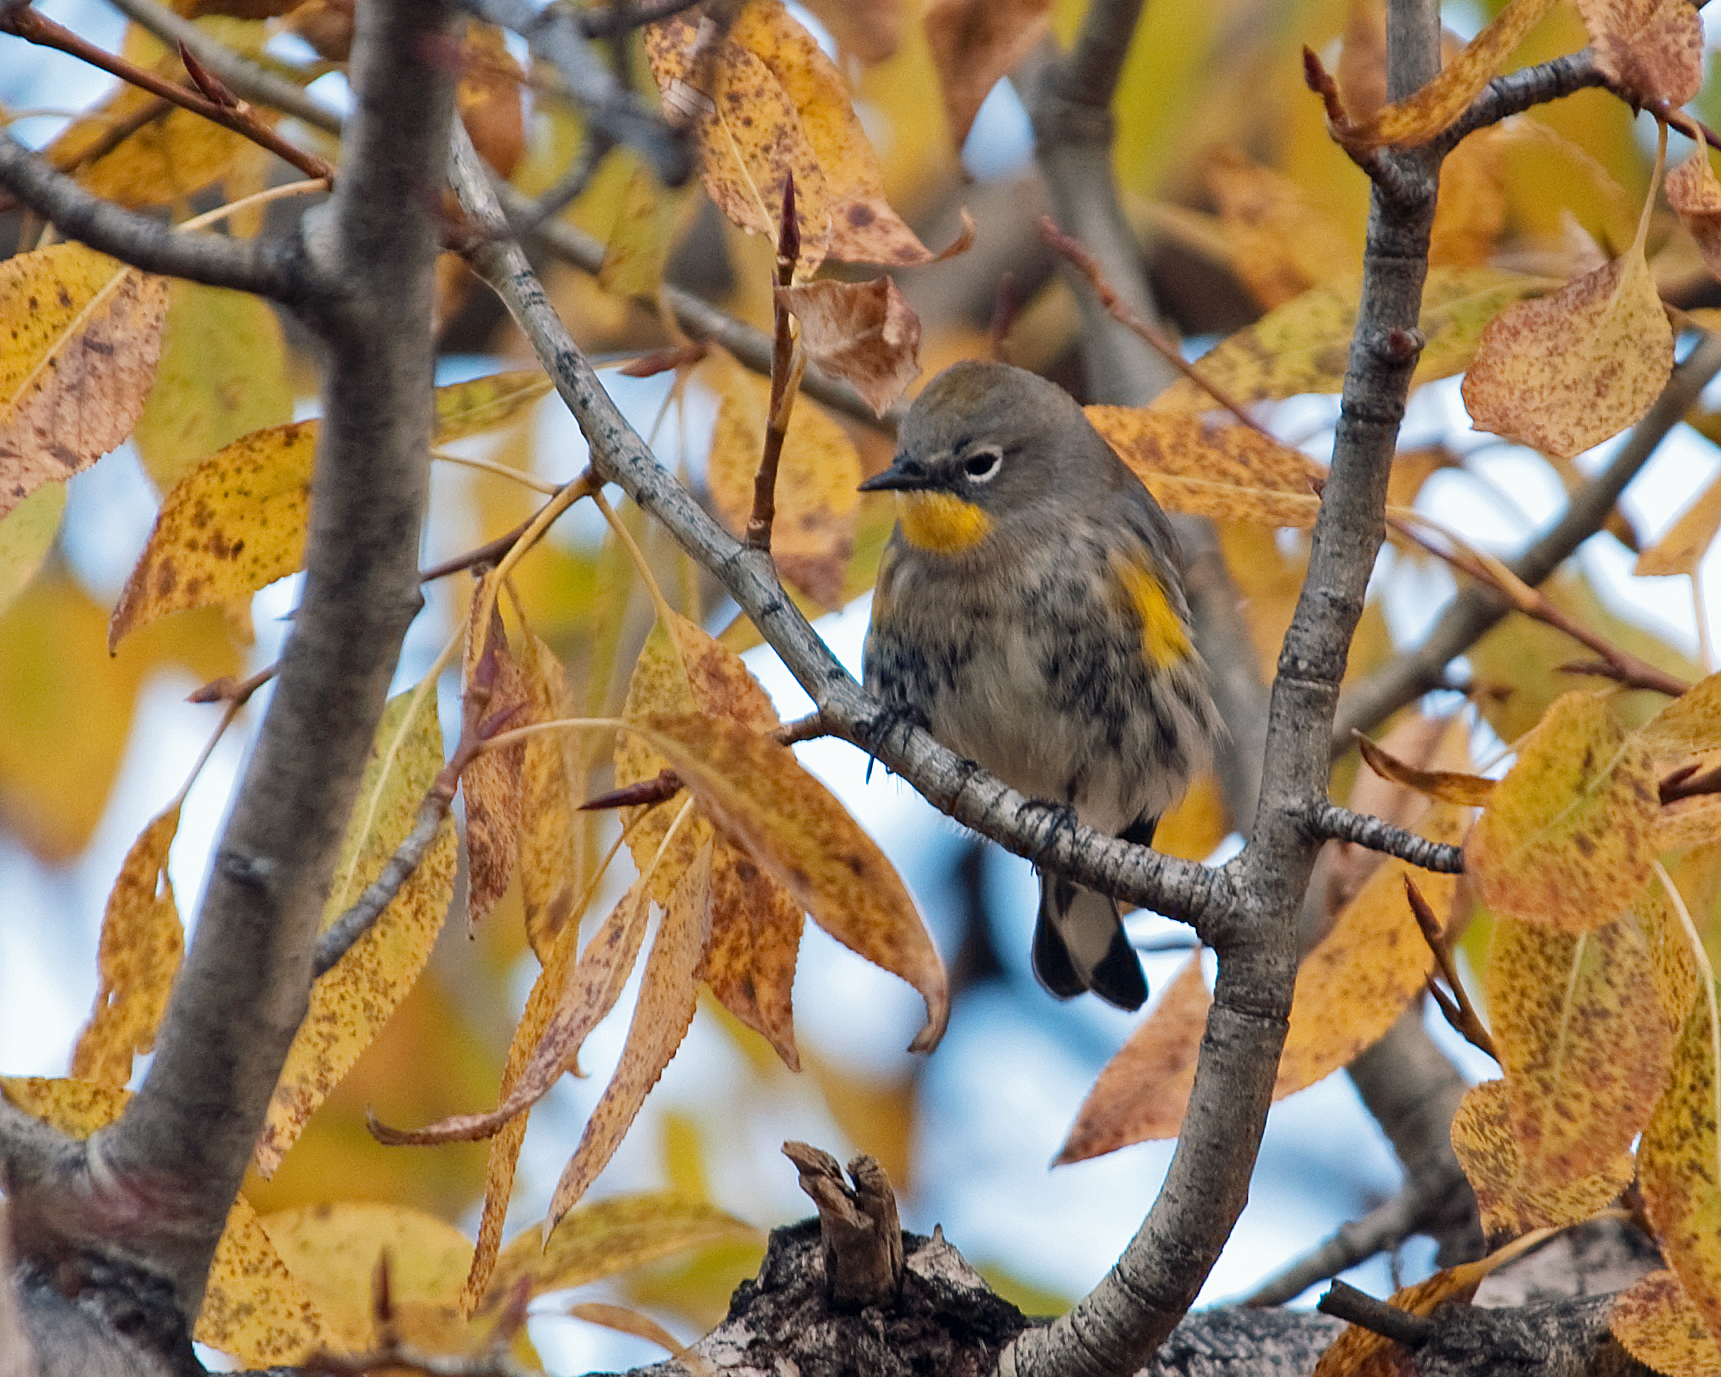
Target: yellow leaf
{"points": [[763, 801], [1568, 371], [553, 859], [976, 44], [1567, 838], [1363, 974], [755, 943], [26, 535], [234, 524], [333, 1251], [1513, 1198], [638, 246], [481, 404], [1280, 240], [1683, 545], [1655, 1321], [223, 374], [1471, 211], [1689, 726], [141, 945], [1678, 1171], [861, 332], [1649, 49], [350, 1004], [1422, 116], [668, 996], [1359, 1352], [1583, 1038], [1447, 785], [1143, 1090], [1304, 345], [817, 474], [610, 1236], [83, 334]]}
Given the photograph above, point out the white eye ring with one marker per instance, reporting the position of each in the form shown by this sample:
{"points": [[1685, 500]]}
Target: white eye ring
{"points": [[982, 464]]}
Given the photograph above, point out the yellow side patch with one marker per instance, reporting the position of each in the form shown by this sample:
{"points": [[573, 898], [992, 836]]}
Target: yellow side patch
{"points": [[943, 524], [1163, 639]]}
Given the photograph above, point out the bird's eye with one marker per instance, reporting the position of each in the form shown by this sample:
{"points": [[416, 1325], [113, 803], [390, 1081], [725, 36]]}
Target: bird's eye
{"points": [[982, 464]]}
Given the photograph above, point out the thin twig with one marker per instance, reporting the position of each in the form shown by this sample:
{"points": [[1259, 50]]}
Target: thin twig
{"points": [[1686, 782], [1330, 821], [602, 21], [785, 379], [23, 20], [1460, 1012], [1088, 266], [1345, 1302]]}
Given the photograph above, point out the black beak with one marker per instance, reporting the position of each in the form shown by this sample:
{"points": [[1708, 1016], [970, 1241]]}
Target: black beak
{"points": [[905, 475]]}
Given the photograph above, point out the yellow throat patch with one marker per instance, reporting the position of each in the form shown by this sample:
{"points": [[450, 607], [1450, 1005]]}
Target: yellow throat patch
{"points": [[943, 524], [1163, 639]]}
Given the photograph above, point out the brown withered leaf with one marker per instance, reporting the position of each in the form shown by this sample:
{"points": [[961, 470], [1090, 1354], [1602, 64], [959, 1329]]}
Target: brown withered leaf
{"points": [[1583, 1040], [762, 800], [1567, 837], [867, 30], [1447, 785], [1656, 1322], [553, 774], [84, 335], [1193, 465], [861, 332], [755, 943], [488, 97], [495, 691], [1143, 1090], [817, 477], [1359, 1352], [975, 44], [1694, 192], [1567, 371], [1652, 49], [668, 996], [1677, 1168], [1514, 1199], [141, 945]]}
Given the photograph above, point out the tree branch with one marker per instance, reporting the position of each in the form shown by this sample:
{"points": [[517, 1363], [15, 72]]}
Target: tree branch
{"points": [[1330, 822], [181, 1148], [269, 267], [1470, 614]]}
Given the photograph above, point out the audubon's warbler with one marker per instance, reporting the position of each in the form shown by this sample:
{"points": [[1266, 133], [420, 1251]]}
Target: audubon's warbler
{"points": [[1030, 613]]}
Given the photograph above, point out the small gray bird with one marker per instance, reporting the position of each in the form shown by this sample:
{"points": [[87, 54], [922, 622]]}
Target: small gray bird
{"points": [[1030, 613]]}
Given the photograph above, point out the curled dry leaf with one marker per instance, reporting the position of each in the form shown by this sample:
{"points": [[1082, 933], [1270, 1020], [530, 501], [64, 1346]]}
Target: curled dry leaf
{"points": [[350, 1004], [1656, 1322], [1650, 49], [141, 946], [1678, 1172], [83, 336], [976, 44], [1567, 837], [1512, 1197], [1573, 369], [764, 101], [1583, 1040], [1449, 786], [1216, 470], [1431, 110], [861, 332], [1143, 1090], [668, 996], [817, 477], [785, 820], [494, 691]]}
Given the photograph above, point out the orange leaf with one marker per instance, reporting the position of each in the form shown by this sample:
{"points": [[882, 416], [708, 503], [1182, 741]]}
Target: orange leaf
{"points": [[1513, 1198], [861, 332], [1447, 785], [1143, 1090], [142, 942], [755, 942], [763, 801], [1567, 838], [83, 335], [976, 44], [668, 996]]}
